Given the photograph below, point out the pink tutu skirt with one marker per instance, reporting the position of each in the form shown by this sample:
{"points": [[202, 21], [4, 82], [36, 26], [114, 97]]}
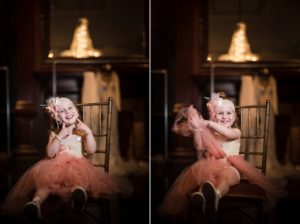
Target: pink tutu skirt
{"points": [[274, 188], [60, 176], [213, 169], [175, 203]]}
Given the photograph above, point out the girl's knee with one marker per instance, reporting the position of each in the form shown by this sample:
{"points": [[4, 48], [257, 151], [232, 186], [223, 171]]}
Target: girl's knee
{"points": [[231, 175]]}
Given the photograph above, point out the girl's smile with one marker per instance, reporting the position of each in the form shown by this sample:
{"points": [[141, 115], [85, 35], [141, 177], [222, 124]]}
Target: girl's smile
{"points": [[225, 115], [67, 112]]}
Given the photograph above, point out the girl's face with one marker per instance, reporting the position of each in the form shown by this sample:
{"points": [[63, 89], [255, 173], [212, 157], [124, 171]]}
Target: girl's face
{"points": [[225, 114], [67, 112]]}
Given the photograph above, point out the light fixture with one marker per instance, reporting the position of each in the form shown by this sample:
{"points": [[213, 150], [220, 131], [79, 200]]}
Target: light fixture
{"points": [[82, 44], [50, 54], [239, 49]]}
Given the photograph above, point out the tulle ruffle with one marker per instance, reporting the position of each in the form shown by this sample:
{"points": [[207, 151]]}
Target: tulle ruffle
{"points": [[214, 167], [204, 139], [60, 176], [175, 203], [273, 187]]}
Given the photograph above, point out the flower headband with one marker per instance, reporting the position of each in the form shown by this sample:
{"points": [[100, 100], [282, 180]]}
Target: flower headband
{"points": [[52, 107]]}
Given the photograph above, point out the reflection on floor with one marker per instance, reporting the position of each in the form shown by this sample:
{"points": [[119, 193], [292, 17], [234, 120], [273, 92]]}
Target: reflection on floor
{"points": [[134, 209], [164, 173]]}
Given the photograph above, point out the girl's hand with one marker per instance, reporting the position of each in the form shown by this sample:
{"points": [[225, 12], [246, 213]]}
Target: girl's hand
{"points": [[205, 122], [63, 148], [88, 139], [194, 119], [82, 128], [65, 131]]}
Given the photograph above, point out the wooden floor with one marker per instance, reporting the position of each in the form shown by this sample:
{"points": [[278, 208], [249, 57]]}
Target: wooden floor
{"points": [[129, 210]]}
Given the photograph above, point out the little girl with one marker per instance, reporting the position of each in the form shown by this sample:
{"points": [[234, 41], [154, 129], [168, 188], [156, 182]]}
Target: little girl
{"points": [[65, 171], [218, 167]]}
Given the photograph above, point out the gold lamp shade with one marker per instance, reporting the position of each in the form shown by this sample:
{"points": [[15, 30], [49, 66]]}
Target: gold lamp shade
{"points": [[82, 44], [239, 49]]}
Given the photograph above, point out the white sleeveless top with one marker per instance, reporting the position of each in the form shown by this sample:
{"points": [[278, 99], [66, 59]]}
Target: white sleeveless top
{"points": [[231, 148], [74, 144]]}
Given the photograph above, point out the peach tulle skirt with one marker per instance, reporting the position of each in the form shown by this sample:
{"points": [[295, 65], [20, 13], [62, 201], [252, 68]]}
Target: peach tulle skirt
{"points": [[213, 169], [60, 176], [175, 203]]}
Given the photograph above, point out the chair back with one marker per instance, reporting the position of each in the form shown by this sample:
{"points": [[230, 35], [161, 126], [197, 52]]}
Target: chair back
{"points": [[253, 121], [98, 116]]}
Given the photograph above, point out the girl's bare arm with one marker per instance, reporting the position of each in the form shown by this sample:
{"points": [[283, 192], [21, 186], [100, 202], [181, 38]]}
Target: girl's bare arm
{"points": [[228, 133]]}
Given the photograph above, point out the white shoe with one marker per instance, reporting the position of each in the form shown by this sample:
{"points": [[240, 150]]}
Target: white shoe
{"points": [[78, 199], [211, 196], [197, 203], [33, 210]]}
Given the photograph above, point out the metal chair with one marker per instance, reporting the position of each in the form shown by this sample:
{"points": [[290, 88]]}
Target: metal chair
{"points": [[98, 116], [245, 200], [248, 198]]}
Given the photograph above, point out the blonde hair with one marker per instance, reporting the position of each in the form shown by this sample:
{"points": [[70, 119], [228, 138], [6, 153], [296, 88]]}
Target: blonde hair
{"points": [[215, 102]]}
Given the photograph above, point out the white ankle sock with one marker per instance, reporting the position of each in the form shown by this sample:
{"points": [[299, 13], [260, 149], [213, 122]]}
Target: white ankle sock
{"points": [[37, 199], [218, 193]]}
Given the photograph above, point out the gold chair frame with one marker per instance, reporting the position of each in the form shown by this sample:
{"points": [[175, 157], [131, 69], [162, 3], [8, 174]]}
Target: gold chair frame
{"points": [[253, 120]]}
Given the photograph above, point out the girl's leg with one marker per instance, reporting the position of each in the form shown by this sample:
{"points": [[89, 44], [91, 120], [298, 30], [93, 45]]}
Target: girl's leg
{"points": [[33, 208], [213, 193], [229, 177], [78, 199], [41, 195], [197, 203]]}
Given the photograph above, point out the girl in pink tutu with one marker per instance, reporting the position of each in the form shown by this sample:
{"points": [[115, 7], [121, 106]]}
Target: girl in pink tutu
{"points": [[65, 171], [219, 164]]}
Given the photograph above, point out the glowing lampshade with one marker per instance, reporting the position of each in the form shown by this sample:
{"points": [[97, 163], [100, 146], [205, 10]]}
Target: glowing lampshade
{"points": [[82, 44], [239, 50]]}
